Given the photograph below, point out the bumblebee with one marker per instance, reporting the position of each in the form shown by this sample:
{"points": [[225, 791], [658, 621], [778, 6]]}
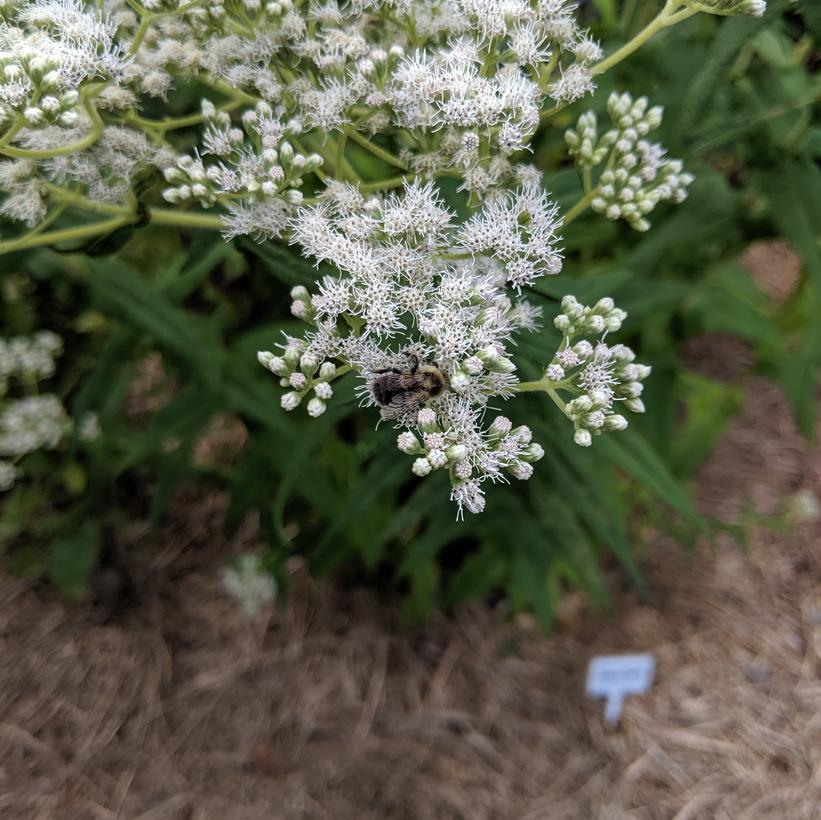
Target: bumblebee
{"points": [[403, 391]]}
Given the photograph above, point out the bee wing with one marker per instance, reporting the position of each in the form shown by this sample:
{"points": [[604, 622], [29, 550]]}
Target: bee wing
{"points": [[400, 404]]}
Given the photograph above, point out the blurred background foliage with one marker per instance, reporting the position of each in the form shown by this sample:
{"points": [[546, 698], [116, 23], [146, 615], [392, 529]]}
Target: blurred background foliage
{"points": [[161, 332]]}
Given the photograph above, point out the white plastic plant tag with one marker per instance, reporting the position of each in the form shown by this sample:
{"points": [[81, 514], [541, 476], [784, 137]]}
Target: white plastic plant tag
{"points": [[615, 676]]}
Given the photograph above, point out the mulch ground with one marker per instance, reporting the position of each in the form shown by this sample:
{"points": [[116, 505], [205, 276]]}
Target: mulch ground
{"points": [[180, 709]]}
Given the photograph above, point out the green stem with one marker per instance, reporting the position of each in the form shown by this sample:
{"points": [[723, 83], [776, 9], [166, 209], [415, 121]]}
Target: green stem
{"points": [[544, 385], [72, 148], [339, 172], [383, 184], [376, 150], [668, 16], [173, 123], [579, 207], [145, 24], [158, 216], [184, 219], [531, 387], [76, 199], [12, 132], [33, 240]]}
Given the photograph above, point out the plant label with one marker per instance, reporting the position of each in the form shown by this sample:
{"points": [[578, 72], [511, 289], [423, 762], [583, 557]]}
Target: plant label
{"points": [[615, 676]]}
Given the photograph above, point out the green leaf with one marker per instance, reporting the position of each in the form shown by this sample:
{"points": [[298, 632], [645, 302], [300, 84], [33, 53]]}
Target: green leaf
{"points": [[283, 262], [709, 405], [629, 451], [73, 559]]}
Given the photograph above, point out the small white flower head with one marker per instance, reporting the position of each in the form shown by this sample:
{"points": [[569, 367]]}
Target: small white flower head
{"points": [[408, 443], [575, 83], [249, 584], [298, 381], [88, 428], [437, 459], [422, 467], [426, 419], [500, 427], [323, 390], [555, 372], [468, 495]]}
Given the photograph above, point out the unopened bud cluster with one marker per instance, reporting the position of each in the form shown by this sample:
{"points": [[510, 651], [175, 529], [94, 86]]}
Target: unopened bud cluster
{"points": [[254, 164], [505, 451], [597, 375], [31, 85], [300, 372], [637, 175]]}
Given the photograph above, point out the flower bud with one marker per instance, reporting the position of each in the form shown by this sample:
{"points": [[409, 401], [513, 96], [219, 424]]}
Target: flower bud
{"points": [[534, 452], [520, 470], [316, 407], [488, 355], [421, 467], [323, 390], [290, 401], [583, 438], [500, 427], [34, 116], [408, 443], [308, 363], [437, 459], [327, 371], [460, 381], [502, 365], [555, 372], [286, 154], [615, 422], [522, 434], [456, 452]]}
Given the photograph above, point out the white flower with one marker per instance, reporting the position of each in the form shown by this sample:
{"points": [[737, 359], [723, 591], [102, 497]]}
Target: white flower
{"points": [[249, 584], [32, 423]]}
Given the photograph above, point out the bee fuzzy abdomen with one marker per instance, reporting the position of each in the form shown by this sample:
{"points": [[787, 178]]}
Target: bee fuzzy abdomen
{"points": [[401, 391]]}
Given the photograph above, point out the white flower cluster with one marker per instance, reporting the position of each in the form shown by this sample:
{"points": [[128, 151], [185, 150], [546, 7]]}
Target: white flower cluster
{"points": [[423, 308], [32, 422], [254, 166], [596, 374], [637, 175], [463, 81], [29, 358], [55, 48], [413, 289]]}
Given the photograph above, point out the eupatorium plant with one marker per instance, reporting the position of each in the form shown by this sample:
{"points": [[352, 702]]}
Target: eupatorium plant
{"points": [[422, 305]]}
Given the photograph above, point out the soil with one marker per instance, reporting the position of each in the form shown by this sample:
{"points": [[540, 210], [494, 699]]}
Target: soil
{"points": [[180, 708]]}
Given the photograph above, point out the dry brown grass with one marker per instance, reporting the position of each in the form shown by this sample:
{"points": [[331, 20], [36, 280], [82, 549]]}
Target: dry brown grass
{"points": [[181, 710]]}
